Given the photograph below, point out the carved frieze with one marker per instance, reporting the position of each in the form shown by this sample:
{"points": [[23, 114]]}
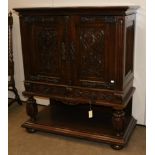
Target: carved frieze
{"points": [[38, 19], [105, 19], [69, 92]]}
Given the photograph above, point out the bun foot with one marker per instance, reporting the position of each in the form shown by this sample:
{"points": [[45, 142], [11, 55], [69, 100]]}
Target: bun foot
{"points": [[31, 130], [117, 147]]}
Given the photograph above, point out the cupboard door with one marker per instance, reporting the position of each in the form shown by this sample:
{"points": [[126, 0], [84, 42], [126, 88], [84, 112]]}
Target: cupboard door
{"points": [[95, 51], [44, 47]]}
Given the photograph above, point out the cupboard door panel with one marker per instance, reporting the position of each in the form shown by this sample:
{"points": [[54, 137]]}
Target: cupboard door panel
{"points": [[91, 43], [46, 38], [94, 54]]}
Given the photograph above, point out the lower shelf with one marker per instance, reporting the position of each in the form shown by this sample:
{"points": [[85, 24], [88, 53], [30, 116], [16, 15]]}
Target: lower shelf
{"points": [[73, 121]]}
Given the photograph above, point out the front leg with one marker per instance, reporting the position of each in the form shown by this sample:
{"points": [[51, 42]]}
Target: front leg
{"points": [[32, 108], [118, 121]]}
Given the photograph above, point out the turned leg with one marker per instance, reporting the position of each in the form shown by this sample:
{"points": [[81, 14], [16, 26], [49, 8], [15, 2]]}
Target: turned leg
{"points": [[31, 108], [118, 120]]}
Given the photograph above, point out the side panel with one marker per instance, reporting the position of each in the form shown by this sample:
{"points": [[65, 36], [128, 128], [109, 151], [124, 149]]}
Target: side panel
{"points": [[129, 49]]}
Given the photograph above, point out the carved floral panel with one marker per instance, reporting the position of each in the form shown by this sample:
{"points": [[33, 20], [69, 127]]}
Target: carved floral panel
{"points": [[47, 43], [92, 48]]}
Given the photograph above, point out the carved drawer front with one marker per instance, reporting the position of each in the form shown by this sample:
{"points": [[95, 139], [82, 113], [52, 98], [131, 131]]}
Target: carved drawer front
{"points": [[45, 90], [91, 95]]}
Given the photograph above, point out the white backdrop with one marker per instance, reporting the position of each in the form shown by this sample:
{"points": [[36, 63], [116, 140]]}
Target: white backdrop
{"points": [[140, 45]]}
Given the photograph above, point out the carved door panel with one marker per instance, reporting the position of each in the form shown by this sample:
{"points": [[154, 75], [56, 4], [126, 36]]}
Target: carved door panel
{"points": [[95, 57], [47, 41]]}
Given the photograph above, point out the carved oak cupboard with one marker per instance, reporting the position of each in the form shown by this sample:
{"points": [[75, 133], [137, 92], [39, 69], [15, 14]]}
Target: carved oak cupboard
{"points": [[81, 58]]}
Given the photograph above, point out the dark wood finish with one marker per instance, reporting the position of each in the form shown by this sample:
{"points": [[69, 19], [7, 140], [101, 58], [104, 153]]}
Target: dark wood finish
{"points": [[11, 81], [80, 56]]}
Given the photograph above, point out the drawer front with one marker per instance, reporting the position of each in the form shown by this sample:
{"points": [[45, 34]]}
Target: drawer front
{"points": [[44, 90], [75, 93], [90, 94]]}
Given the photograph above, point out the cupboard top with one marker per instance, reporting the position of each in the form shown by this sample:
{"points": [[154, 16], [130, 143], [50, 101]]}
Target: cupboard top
{"points": [[107, 10]]}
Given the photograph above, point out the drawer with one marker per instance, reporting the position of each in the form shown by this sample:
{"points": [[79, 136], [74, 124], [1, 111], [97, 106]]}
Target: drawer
{"points": [[90, 94], [44, 89], [70, 92]]}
